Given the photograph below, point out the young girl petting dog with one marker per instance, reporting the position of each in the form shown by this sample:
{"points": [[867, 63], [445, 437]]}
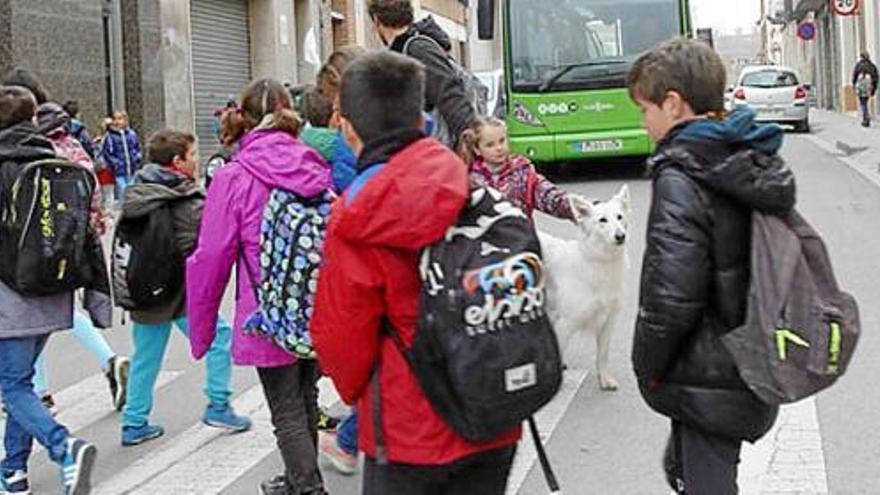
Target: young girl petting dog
{"points": [[515, 176]]}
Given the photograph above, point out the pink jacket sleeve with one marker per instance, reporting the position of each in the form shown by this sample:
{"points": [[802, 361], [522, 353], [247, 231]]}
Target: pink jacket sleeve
{"points": [[208, 268]]}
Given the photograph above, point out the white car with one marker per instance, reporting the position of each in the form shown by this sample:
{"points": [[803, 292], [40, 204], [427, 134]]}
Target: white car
{"points": [[775, 94]]}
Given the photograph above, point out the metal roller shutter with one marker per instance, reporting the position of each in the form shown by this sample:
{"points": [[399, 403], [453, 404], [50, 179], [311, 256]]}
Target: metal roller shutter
{"points": [[221, 61]]}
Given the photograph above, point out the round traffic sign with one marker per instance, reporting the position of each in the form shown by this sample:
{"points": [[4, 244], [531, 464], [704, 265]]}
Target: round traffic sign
{"points": [[845, 7], [806, 31]]}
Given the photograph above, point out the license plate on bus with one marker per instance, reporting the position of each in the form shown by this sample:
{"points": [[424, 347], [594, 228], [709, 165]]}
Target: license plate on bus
{"points": [[598, 146]]}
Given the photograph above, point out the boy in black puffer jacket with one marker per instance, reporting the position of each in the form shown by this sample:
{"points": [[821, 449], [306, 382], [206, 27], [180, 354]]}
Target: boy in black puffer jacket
{"points": [[709, 172]]}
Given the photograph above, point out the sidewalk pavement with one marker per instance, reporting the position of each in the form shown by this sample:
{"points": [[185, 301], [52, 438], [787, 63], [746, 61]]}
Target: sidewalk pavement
{"points": [[843, 136]]}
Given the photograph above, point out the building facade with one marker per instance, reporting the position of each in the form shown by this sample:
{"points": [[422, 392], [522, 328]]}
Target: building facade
{"points": [[827, 61]]}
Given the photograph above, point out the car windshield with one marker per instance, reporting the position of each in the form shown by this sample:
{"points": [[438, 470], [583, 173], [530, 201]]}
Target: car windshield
{"points": [[578, 44], [769, 79]]}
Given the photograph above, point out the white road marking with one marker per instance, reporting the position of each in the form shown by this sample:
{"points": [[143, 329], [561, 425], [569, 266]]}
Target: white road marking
{"points": [[790, 458], [88, 401], [547, 419], [204, 459]]}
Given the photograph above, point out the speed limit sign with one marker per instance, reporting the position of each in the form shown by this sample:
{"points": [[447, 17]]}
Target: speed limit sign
{"points": [[845, 7]]}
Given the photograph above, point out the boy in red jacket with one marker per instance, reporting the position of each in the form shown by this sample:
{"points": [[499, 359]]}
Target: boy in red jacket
{"points": [[408, 191]]}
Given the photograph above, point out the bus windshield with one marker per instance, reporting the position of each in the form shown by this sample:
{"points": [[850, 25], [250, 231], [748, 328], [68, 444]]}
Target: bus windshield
{"points": [[584, 44]]}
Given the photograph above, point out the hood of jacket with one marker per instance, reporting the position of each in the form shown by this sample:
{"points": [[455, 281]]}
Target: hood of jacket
{"points": [[279, 160], [52, 119], [154, 186], [407, 203], [22, 142], [735, 156]]}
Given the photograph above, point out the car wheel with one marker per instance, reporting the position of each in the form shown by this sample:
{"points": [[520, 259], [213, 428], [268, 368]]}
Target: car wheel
{"points": [[803, 126]]}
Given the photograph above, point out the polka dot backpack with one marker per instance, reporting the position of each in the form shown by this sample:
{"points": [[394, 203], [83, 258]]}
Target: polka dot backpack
{"points": [[291, 243]]}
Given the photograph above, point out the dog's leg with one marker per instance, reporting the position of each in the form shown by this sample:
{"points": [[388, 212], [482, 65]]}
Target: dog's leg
{"points": [[603, 344]]}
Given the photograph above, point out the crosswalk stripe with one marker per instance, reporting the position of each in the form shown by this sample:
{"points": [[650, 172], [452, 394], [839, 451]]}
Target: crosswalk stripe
{"points": [[88, 401], [547, 419], [790, 458], [204, 459]]}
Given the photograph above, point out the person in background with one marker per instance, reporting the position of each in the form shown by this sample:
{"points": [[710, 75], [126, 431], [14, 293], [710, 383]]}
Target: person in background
{"points": [[444, 89], [105, 174], [513, 175], [121, 153], [78, 129], [52, 121], [24, 78], [865, 80], [326, 140]]}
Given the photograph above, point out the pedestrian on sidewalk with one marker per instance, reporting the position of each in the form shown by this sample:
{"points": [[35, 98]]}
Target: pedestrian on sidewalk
{"points": [[865, 80], [53, 122], [408, 191], [445, 91], [105, 172], [121, 152], [169, 180], [26, 322], [269, 157], [708, 173]]}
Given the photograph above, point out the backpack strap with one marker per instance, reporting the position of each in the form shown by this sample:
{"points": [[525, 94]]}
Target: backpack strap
{"points": [[385, 329]]}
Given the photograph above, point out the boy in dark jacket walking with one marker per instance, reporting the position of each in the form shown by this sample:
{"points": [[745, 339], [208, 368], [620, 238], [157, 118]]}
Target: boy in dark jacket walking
{"points": [[444, 90], [408, 191], [709, 173], [27, 322], [170, 178]]}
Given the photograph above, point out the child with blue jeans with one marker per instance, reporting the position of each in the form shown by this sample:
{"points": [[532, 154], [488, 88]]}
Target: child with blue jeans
{"points": [[170, 179], [121, 151], [27, 321]]}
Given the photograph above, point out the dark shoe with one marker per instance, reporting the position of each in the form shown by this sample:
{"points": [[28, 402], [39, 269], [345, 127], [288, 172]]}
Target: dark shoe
{"points": [[117, 378], [49, 402], [76, 467], [276, 486], [14, 483], [136, 435]]}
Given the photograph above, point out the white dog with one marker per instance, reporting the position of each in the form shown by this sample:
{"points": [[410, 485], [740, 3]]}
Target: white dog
{"points": [[585, 276]]}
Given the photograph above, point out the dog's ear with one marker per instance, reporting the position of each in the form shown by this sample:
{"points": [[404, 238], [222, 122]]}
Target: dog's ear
{"points": [[623, 197], [580, 206]]}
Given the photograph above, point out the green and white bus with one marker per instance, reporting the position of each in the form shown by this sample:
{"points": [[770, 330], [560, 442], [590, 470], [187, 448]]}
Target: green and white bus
{"points": [[565, 66]]}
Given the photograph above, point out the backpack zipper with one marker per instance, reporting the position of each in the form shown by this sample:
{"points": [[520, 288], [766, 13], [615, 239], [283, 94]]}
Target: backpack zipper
{"points": [[33, 207]]}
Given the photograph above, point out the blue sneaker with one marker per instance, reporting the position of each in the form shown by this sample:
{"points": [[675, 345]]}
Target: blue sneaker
{"points": [[14, 483], [76, 467], [136, 435], [225, 417]]}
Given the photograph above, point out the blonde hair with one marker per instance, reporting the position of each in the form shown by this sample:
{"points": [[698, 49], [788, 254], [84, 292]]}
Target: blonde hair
{"points": [[470, 138], [120, 113]]}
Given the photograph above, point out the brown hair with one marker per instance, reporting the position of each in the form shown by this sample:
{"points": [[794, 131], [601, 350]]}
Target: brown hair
{"points": [[17, 104], [690, 68], [329, 78], [470, 138], [166, 144], [257, 100], [318, 108], [392, 13]]}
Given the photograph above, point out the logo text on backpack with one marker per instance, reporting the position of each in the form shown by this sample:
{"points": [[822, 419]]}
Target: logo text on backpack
{"points": [[512, 289]]}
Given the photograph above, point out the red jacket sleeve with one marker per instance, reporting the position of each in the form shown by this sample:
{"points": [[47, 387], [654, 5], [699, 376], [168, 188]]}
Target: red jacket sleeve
{"points": [[348, 309]]}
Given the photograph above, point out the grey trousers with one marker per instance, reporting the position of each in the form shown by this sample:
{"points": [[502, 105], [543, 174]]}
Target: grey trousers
{"points": [[698, 463]]}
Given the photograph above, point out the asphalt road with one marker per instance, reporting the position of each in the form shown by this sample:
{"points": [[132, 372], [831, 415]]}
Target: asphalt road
{"points": [[599, 442]]}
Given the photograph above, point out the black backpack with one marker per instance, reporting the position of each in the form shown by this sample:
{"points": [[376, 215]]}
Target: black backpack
{"points": [[801, 330], [147, 267], [485, 353], [46, 239]]}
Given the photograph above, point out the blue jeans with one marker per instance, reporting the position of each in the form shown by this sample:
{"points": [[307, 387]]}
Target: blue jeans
{"points": [[347, 433], [27, 418], [863, 106], [87, 335], [150, 342], [122, 181]]}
